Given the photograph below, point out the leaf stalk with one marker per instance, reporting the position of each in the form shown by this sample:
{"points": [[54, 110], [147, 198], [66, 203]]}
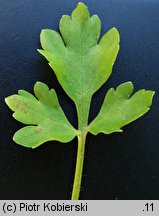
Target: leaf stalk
{"points": [[79, 165]]}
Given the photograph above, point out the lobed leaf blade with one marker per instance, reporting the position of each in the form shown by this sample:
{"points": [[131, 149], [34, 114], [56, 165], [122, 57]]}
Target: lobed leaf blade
{"points": [[43, 114], [81, 64], [119, 109]]}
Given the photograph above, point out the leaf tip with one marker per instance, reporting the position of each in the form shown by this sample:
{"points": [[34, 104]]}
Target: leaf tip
{"points": [[125, 89], [15, 139], [39, 86], [81, 11], [8, 101], [116, 32], [153, 93], [81, 4], [149, 96], [42, 32], [38, 83], [130, 85], [43, 53]]}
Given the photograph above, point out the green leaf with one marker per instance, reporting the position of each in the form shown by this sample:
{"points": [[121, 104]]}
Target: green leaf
{"points": [[43, 113], [80, 61], [120, 108]]}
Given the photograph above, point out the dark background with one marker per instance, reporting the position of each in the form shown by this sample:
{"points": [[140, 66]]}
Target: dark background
{"points": [[119, 166]]}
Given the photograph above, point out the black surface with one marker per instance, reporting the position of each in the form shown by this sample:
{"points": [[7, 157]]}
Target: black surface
{"points": [[119, 166]]}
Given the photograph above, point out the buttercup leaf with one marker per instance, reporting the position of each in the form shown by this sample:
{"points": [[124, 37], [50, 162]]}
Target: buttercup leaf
{"points": [[120, 108], [44, 114], [82, 63]]}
